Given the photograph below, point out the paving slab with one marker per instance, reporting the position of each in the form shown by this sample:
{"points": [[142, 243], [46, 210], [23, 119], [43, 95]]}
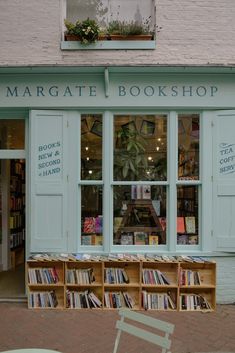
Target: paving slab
{"points": [[93, 331]]}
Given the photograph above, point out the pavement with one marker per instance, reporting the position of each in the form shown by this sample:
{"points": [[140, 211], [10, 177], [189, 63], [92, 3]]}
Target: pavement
{"points": [[93, 331]]}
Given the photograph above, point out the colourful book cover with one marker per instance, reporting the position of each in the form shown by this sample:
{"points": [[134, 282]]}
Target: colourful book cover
{"points": [[190, 225], [180, 225], [140, 238], [153, 239]]}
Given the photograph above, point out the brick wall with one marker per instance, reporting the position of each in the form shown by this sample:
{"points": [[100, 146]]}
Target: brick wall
{"points": [[225, 290], [195, 32]]}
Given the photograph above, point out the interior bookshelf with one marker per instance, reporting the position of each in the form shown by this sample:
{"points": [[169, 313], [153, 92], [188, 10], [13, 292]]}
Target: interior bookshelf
{"points": [[138, 285]]}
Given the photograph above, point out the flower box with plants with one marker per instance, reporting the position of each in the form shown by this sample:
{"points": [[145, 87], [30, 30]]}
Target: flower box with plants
{"points": [[122, 30], [86, 31]]}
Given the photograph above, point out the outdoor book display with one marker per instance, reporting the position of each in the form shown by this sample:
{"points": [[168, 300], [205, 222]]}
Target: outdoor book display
{"points": [[133, 281]]}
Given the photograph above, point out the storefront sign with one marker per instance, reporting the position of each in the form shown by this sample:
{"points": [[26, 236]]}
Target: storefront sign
{"points": [[49, 161], [127, 90], [227, 158]]}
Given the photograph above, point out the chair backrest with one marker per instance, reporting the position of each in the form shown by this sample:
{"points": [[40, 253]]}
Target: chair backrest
{"points": [[163, 341]]}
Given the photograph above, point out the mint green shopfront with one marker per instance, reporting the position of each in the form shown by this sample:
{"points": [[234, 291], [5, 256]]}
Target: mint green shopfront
{"points": [[127, 159]]}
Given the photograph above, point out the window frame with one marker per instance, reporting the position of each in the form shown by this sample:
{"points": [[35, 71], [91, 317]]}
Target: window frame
{"points": [[204, 184]]}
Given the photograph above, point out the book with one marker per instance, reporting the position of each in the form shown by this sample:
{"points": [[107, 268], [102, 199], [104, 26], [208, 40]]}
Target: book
{"points": [[153, 239], [127, 239], [193, 239], [140, 238], [162, 221], [180, 225], [182, 239], [190, 224], [133, 192], [139, 192], [98, 240], [88, 239], [117, 223], [146, 192]]}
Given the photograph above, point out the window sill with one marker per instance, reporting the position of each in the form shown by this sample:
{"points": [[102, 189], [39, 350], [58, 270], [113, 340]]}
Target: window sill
{"points": [[109, 45]]}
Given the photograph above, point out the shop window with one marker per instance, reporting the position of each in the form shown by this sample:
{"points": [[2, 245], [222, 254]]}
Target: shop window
{"points": [[12, 133], [140, 155], [91, 147], [188, 147], [140, 148], [91, 215], [188, 174], [187, 215], [139, 215], [91, 169]]}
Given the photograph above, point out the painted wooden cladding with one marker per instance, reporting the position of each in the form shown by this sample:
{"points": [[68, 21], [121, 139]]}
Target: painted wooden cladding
{"points": [[48, 182], [224, 180]]}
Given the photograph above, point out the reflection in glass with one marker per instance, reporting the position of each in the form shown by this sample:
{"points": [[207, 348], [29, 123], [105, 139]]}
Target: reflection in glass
{"points": [[139, 215], [92, 215], [140, 147], [188, 146], [91, 147], [12, 133], [187, 215]]}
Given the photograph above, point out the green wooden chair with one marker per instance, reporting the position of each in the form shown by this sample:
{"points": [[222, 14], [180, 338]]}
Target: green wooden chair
{"points": [[162, 341]]}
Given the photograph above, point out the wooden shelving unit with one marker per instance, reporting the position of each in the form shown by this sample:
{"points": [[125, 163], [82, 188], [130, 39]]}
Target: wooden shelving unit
{"points": [[139, 285]]}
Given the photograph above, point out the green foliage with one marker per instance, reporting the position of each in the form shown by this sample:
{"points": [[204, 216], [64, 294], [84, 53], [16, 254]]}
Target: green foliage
{"points": [[130, 159], [87, 30], [127, 28]]}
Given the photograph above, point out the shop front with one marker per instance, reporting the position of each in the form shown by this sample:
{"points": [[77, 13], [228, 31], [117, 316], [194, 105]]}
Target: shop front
{"points": [[135, 160]]}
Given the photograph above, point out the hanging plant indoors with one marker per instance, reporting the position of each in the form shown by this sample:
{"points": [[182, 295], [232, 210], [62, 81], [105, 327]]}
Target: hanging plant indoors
{"points": [[86, 31]]}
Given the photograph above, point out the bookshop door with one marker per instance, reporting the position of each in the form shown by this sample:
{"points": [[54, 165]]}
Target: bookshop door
{"points": [[12, 209]]}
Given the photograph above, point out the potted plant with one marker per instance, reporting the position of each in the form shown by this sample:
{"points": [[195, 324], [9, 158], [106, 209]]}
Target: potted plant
{"points": [[122, 30], [130, 159], [86, 31]]}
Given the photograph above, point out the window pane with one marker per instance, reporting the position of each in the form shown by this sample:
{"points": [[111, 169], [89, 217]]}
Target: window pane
{"points": [[140, 147], [139, 215], [92, 215], [105, 11], [12, 134], [91, 147], [188, 146], [187, 215]]}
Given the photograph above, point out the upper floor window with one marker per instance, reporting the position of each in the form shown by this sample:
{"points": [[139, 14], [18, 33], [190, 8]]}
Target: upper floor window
{"points": [[106, 11]]}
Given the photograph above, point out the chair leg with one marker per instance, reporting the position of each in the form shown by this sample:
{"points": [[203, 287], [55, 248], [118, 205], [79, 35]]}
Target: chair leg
{"points": [[117, 338]]}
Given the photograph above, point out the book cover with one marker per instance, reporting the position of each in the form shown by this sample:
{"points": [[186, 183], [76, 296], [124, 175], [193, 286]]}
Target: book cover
{"points": [[162, 221], [98, 240], [193, 239], [139, 192], [133, 192], [117, 223], [126, 239], [190, 225], [153, 239], [88, 239], [180, 225], [146, 192], [140, 238], [182, 239]]}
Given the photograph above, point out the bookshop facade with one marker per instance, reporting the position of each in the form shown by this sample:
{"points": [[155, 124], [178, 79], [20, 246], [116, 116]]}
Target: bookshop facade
{"points": [[123, 159]]}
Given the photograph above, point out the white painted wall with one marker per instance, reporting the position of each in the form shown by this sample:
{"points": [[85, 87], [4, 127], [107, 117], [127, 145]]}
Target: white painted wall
{"points": [[195, 32], [225, 289]]}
